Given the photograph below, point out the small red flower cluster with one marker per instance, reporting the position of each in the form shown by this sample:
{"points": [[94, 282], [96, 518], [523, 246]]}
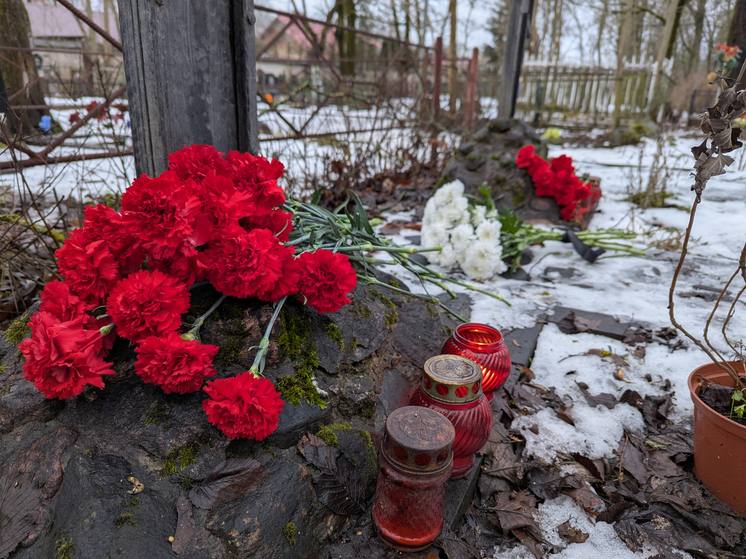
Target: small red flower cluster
{"points": [[208, 217], [557, 179], [728, 53]]}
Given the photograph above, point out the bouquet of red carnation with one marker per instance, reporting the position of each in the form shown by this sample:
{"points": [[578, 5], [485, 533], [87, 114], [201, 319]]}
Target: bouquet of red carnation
{"points": [[557, 179], [208, 217]]}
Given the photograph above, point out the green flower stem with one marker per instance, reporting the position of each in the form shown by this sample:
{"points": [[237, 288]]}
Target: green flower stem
{"points": [[258, 367], [429, 298], [193, 334], [104, 331]]}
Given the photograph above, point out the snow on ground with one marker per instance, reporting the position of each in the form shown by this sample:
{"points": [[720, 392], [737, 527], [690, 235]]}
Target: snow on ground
{"points": [[627, 287]]}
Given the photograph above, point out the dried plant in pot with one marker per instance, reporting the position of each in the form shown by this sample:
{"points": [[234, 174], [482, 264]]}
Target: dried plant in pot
{"points": [[718, 389]]}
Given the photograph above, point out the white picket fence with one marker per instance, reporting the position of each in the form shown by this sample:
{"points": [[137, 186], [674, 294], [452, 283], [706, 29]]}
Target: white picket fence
{"points": [[582, 96]]}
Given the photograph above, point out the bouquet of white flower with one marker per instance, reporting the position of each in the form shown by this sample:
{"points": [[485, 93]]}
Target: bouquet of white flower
{"points": [[477, 238], [468, 235]]}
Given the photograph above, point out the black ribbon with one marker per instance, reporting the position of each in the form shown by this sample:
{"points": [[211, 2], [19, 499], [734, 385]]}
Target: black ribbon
{"points": [[588, 253]]}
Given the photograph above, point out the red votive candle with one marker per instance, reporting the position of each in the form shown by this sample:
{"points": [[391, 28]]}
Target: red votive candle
{"points": [[451, 386], [484, 345], [414, 465]]}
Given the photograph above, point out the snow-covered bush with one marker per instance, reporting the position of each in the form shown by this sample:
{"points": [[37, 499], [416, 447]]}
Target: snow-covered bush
{"points": [[469, 235]]}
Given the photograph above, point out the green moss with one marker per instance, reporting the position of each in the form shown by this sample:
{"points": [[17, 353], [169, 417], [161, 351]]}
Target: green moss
{"points": [[295, 341], [133, 502], [4, 391], [294, 333], [3, 369], [431, 310], [472, 157], [362, 311], [372, 455], [494, 157], [230, 350], [446, 331], [289, 532], [124, 518], [328, 436], [181, 456], [394, 283], [158, 414], [353, 343], [65, 546], [391, 316], [332, 330], [188, 483], [656, 199], [18, 329], [518, 198]]}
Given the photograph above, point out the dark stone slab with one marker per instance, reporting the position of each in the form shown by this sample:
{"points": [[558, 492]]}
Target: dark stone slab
{"points": [[419, 334], [459, 494], [296, 420], [461, 305], [572, 321], [521, 343]]}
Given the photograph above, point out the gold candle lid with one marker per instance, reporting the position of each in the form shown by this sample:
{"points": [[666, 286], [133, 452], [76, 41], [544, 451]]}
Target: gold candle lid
{"points": [[452, 379]]}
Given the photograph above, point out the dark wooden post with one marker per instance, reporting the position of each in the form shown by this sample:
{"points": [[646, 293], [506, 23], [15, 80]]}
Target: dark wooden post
{"points": [[518, 26], [437, 77], [191, 76], [471, 88]]}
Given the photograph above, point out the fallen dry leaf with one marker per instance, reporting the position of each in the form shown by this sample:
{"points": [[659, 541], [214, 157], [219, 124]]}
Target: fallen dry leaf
{"points": [[571, 534], [516, 343], [136, 485], [619, 375]]}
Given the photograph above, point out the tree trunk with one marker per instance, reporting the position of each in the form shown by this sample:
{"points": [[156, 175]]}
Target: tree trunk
{"points": [[18, 68], [699, 24], [737, 34]]}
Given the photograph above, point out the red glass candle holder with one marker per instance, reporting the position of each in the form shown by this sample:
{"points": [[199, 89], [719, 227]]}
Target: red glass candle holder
{"points": [[484, 345], [451, 385], [414, 465]]}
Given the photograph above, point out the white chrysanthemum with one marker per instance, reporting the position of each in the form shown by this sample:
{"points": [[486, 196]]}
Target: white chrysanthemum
{"points": [[483, 260], [431, 213], [492, 214], [478, 215], [448, 192], [448, 257], [456, 212], [462, 236], [489, 231]]}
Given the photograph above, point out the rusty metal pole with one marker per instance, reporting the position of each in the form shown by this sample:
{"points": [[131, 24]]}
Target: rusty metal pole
{"points": [[453, 55], [437, 77], [471, 88]]}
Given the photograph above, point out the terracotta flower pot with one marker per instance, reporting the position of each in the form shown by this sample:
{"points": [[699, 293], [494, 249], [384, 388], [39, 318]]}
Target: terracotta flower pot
{"points": [[719, 443]]}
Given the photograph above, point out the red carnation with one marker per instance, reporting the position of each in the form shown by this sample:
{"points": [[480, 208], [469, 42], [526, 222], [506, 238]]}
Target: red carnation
{"points": [[104, 224], [245, 264], [277, 221], [147, 304], [258, 176], [287, 282], [544, 182], [88, 267], [196, 161], [224, 204], [61, 357], [57, 300], [175, 364], [523, 157], [326, 279], [187, 268], [570, 212], [166, 214], [244, 406], [562, 163]]}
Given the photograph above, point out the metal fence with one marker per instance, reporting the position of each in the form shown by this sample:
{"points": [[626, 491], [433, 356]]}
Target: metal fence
{"points": [[571, 95]]}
